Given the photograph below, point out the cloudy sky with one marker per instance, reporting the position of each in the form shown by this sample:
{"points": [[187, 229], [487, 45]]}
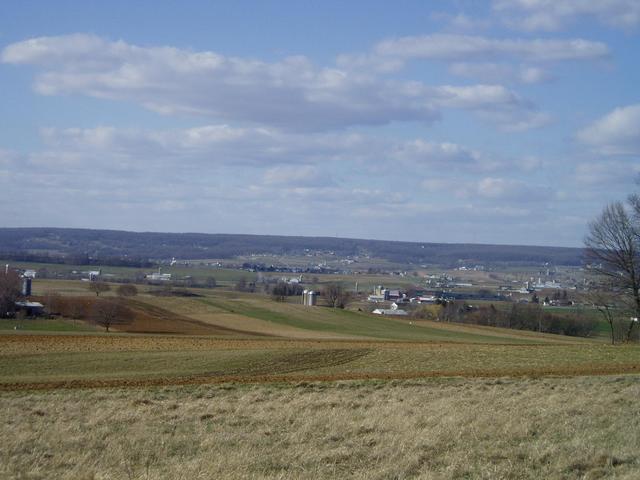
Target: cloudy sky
{"points": [[505, 121]]}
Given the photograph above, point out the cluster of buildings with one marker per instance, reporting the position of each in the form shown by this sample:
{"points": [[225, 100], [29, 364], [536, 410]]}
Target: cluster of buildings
{"points": [[397, 298], [382, 294], [158, 276]]}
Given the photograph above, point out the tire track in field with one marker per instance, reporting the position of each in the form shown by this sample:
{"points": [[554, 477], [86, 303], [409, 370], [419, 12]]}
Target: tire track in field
{"points": [[290, 362]]}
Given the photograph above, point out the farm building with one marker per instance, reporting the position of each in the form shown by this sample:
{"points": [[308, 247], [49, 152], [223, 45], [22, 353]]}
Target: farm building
{"points": [[394, 310], [30, 309], [159, 277]]}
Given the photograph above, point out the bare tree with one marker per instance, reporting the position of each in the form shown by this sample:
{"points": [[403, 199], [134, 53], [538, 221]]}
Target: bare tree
{"points": [[9, 292], [127, 290], [337, 296], [53, 303], [604, 300], [111, 312], [613, 246], [279, 292], [77, 308], [99, 287], [241, 284]]}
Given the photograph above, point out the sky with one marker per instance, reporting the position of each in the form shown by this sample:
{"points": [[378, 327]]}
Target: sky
{"points": [[503, 122]]}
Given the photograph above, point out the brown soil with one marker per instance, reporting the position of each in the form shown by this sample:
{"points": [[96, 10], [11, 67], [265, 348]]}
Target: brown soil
{"points": [[584, 370], [20, 344], [286, 366], [152, 319]]}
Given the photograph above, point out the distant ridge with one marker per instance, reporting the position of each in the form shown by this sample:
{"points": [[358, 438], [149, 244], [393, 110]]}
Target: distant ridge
{"points": [[97, 244]]}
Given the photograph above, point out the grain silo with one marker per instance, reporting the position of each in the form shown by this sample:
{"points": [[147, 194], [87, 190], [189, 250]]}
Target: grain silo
{"points": [[309, 298]]}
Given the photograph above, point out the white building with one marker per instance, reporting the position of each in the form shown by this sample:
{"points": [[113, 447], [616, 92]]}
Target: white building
{"points": [[394, 310], [159, 277]]}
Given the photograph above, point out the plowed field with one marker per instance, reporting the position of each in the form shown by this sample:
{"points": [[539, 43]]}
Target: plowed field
{"points": [[76, 361]]}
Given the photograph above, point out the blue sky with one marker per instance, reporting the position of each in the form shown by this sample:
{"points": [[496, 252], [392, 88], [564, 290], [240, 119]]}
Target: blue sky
{"points": [[506, 121]]}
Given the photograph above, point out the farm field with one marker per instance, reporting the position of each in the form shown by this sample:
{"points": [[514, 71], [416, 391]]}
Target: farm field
{"points": [[227, 312], [220, 335], [225, 384], [45, 361]]}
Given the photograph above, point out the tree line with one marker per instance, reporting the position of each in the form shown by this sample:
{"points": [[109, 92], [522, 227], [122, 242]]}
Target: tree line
{"points": [[518, 316]]}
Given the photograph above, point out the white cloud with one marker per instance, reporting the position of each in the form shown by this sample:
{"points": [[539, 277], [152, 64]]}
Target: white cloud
{"points": [[215, 145], [534, 75], [500, 72], [487, 71], [449, 187], [462, 47], [369, 62], [210, 145], [609, 175], [293, 93], [197, 170], [300, 176], [8, 158], [420, 153], [489, 190], [225, 198], [508, 189], [554, 14], [497, 104], [460, 21], [617, 133]]}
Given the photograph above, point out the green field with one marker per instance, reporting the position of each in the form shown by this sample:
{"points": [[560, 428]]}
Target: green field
{"points": [[47, 325], [349, 323]]}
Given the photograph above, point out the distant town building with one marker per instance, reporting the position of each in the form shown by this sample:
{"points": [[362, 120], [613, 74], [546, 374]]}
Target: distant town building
{"points": [[426, 299], [159, 277], [540, 285]]}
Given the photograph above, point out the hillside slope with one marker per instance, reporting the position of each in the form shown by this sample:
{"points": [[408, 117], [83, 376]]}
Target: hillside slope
{"points": [[86, 245]]}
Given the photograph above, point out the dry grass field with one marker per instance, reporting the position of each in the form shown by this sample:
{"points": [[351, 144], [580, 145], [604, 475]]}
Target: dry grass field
{"points": [[551, 428]]}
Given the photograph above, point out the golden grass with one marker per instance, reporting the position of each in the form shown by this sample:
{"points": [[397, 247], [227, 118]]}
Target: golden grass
{"points": [[555, 428]]}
